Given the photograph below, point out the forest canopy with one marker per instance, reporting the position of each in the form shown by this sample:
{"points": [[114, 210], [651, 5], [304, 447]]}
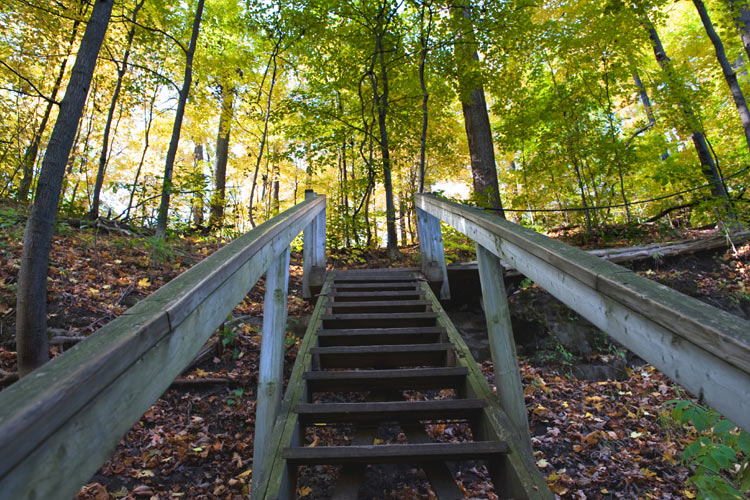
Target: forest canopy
{"points": [[601, 112]]}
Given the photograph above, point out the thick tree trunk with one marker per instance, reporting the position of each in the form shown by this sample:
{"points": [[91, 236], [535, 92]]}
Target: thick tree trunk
{"points": [[424, 37], [476, 117], [741, 10], [708, 165], [216, 219], [726, 68], [31, 305], [166, 191], [103, 155], [29, 157]]}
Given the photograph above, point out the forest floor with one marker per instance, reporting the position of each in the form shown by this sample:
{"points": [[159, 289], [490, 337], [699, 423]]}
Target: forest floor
{"points": [[592, 440]]}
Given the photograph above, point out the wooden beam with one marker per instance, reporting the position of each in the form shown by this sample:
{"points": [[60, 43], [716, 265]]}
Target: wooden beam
{"points": [[502, 345], [58, 425], [702, 348], [271, 370], [431, 248], [314, 251], [520, 477]]}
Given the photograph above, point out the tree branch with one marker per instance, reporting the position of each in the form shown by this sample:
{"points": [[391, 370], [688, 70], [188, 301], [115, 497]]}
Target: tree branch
{"points": [[30, 83]]}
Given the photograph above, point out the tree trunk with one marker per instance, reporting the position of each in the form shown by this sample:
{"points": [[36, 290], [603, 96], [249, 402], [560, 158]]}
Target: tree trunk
{"points": [[216, 219], [708, 166], [166, 191], [149, 121], [644, 98], [476, 118], [726, 68], [31, 316], [741, 11], [276, 184], [29, 157], [382, 106], [424, 37], [196, 206], [103, 156], [272, 61]]}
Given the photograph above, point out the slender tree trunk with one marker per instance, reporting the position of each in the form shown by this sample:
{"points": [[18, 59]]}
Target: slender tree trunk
{"points": [[644, 98], [708, 166], [29, 157], [382, 106], [104, 156], [476, 118], [276, 185], [196, 207], [345, 188], [726, 68], [163, 217], [216, 219], [741, 10], [402, 216], [31, 316], [272, 61], [149, 121]]}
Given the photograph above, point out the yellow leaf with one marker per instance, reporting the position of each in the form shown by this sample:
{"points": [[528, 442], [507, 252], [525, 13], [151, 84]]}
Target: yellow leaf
{"points": [[93, 291], [200, 373], [688, 494], [144, 283], [304, 491], [246, 473], [377, 441]]}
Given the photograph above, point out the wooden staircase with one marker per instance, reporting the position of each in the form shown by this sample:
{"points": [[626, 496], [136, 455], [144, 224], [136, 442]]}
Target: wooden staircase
{"points": [[376, 334]]}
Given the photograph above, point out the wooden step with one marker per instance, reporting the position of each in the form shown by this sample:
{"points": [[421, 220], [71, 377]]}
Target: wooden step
{"points": [[379, 320], [396, 411], [383, 356], [375, 295], [374, 277], [380, 306], [379, 336], [403, 453], [366, 380], [366, 287]]}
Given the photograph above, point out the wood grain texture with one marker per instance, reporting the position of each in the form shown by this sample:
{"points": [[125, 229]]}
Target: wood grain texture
{"points": [[57, 425], [704, 349]]}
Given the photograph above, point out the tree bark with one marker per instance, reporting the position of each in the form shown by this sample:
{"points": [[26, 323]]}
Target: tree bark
{"points": [[424, 37], [103, 155], [216, 219], [708, 166], [196, 207], [381, 100], [31, 305], [29, 157], [267, 117], [726, 68], [741, 11], [476, 117], [166, 191]]}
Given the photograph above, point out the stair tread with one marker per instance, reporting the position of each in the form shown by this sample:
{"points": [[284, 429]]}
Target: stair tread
{"points": [[417, 330], [366, 454], [438, 409], [408, 285], [385, 348], [383, 315], [450, 371], [381, 303]]}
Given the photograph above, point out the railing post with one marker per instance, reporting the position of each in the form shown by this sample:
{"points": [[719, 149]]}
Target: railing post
{"points": [[502, 345], [271, 369], [314, 252], [431, 248]]}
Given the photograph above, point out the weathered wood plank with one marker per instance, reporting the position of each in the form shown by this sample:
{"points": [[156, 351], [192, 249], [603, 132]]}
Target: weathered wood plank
{"points": [[704, 349], [52, 429], [431, 249], [401, 411], [271, 369], [521, 478], [383, 356], [381, 320], [502, 345], [406, 378], [409, 453], [375, 296], [275, 483], [374, 336], [374, 306], [314, 251]]}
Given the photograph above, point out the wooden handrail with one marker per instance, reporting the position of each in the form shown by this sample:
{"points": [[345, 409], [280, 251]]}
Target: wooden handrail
{"points": [[704, 349], [61, 422]]}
